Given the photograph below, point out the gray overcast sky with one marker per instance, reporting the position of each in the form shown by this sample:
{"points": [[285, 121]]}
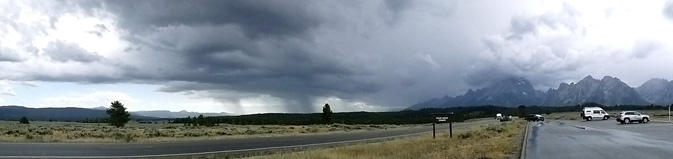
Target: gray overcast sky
{"points": [[251, 56]]}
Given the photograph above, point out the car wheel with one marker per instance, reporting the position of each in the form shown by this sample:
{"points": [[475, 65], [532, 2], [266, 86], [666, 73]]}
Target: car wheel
{"points": [[645, 120], [589, 119], [605, 118], [627, 120]]}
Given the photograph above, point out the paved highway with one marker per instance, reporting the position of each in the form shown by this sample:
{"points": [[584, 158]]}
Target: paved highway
{"points": [[599, 139], [133, 150]]}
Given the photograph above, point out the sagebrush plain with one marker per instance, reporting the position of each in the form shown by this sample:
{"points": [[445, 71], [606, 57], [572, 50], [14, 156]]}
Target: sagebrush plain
{"points": [[43, 131]]}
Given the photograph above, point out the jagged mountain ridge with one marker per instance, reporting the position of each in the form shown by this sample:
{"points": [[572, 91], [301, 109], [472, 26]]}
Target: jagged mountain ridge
{"points": [[513, 92], [608, 91], [657, 91]]}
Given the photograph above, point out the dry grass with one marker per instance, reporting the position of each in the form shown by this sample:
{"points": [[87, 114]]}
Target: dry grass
{"points": [[482, 141], [11, 131]]}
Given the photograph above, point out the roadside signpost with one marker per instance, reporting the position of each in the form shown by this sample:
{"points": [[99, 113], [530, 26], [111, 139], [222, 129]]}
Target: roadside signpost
{"points": [[442, 118]]}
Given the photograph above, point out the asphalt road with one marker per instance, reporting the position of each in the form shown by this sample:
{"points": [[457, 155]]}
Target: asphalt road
{"points": [[132, 150], [599, 139]]}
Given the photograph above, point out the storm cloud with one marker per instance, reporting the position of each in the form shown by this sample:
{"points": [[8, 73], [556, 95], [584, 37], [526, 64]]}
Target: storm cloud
{"points": [[259, 47], [293, 56], [256, 18]]}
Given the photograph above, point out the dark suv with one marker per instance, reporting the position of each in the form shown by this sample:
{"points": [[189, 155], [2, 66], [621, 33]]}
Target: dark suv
{"points": [[534, 117]]}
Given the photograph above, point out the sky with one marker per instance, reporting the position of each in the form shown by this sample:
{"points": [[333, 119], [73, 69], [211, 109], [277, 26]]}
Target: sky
{"points": [[293, 56]]}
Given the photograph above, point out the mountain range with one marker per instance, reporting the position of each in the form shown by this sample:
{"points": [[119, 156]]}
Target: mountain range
{"points": [[60, 114], [606, 91], [169, 114], [79, 114]]}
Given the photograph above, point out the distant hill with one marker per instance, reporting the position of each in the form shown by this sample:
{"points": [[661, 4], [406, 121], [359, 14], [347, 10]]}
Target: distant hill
{"points": [[514, 92], [180, 114], [60, 114]]}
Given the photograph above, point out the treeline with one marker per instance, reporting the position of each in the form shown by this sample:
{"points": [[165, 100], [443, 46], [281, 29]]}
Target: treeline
{"points": [[198, 121], [94, 120], [396, 117], [399, 117]]}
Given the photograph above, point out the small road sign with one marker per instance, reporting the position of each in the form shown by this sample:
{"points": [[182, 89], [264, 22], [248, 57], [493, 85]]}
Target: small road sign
{"points": [[442, 118]]}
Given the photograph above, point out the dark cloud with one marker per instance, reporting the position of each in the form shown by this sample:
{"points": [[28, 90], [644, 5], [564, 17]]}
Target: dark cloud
{"points": [[298, 60], [281, 68], [65, 52], [257, 18], [260, 47], [397, 5], [477, 77], [395, 9]]}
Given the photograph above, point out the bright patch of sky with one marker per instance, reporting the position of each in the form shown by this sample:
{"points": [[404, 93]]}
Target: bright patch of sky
{"points": [[134, 96]]}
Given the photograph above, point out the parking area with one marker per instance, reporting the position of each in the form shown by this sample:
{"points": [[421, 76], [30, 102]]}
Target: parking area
{"points": [[599, 139]]}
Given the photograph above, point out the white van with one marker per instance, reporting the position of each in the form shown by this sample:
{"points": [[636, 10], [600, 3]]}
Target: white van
{"points": [[589, 113]]}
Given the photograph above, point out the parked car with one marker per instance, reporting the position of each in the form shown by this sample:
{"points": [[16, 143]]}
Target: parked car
{"points": [[631, 116], [534, 117], [589, 113], [505, 118]]}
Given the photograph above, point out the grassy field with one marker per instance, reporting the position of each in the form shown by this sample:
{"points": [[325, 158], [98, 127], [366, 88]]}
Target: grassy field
{"points": [[37, 131], [483, 141], [661, 115]]}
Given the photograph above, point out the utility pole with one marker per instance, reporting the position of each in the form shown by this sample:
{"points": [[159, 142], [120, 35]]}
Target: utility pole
{"points": [[669, 113]]}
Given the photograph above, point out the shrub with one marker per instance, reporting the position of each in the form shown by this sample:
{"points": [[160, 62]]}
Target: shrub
{"points": [[127, 137], [465, 135], [24, 120]]}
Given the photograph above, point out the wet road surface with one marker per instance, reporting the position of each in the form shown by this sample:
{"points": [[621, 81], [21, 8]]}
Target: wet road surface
{"points": [[599, 139]]}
